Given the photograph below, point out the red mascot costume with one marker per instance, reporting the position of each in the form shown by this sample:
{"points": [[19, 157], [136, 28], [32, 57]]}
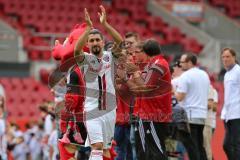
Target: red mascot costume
{"points": [[72, 128]]}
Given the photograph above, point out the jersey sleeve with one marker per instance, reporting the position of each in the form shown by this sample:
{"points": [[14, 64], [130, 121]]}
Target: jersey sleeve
{"points": [[154, 75], [156, 82]]}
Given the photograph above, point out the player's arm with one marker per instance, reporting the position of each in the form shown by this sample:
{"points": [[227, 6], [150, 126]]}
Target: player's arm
{"points": [[103, 20], [78, 50], [149, 83], [113, 32], [123, 79], [180, 96]]}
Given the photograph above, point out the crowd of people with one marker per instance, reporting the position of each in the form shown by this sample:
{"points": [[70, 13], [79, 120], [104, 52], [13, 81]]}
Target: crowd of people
{"points": [[123, 101]]}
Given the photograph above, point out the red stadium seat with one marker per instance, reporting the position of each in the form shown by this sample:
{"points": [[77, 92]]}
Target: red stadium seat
{"points": [[191, 45], [219, 3], [44, 74], [156, 24], [233, 9], [173, 35], [50, 17], [34, 55], [46, 55]]}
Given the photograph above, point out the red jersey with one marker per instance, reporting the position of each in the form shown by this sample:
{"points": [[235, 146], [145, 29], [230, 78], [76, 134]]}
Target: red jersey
{"points": [[122, 112], [124, 100], [156, 105]]}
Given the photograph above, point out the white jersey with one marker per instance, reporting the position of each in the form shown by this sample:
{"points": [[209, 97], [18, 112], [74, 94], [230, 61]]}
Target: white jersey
{"points": [[99, 82]]}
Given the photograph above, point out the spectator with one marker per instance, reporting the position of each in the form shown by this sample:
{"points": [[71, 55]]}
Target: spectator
{"points": [[48, 128], [210, 123], [21, 150], [52, 142], [34, 146]]}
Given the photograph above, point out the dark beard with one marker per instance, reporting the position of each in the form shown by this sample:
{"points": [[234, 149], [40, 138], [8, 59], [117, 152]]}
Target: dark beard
{"points": [[96, 50]]}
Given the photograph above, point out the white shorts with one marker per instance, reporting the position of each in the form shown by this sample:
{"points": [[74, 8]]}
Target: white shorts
{"points": [[101, 129]]}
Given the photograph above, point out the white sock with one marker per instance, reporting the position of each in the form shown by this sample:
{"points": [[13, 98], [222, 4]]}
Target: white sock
{"points": [[96, 155]]}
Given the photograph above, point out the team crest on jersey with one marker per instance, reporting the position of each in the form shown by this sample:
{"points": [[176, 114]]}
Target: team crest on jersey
{"points": [[106, 58]]}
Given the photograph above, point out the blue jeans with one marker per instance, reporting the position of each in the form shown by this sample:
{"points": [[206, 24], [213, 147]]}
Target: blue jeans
{"points": [[231, 144], [122, 137]]}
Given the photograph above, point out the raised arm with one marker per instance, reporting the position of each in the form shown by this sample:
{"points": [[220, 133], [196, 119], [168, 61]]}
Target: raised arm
{"points": [[103, 20], [78, 53]]}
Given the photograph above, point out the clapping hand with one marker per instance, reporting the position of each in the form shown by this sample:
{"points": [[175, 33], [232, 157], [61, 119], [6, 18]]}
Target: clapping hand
{"points": [[87, 18], [102, 15]]}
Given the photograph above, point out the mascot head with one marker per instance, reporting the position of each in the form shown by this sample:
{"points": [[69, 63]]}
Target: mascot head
{"points": [[65, 52]]}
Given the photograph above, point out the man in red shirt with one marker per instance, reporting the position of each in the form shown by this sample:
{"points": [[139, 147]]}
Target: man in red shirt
{"points": [[124, 102], [152, 89]]}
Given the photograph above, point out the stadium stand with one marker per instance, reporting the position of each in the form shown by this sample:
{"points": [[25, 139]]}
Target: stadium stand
{"points": [[39, 16], [23, 97], [230, 8]]}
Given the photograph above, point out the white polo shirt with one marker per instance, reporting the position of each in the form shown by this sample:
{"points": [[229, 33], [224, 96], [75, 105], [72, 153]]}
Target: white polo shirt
{"points": [[195, 84], [231, 107]]}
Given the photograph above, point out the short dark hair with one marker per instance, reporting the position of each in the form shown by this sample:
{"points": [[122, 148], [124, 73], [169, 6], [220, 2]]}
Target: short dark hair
{"points": [[96, 31], [191, 58], [233, 52], [151, 47], [132, 34], [43, 107]]}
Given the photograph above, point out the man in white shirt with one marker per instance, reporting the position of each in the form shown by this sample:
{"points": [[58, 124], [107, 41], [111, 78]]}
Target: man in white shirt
{"points": [[100, 99], [192, 92], [231, 109], [210, 123], [183, 132]]}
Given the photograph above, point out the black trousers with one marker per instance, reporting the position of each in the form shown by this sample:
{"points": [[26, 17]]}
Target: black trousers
{"points": [[187, 141], [197, 136], [231, 144], [152, 144], [180, 131]]}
